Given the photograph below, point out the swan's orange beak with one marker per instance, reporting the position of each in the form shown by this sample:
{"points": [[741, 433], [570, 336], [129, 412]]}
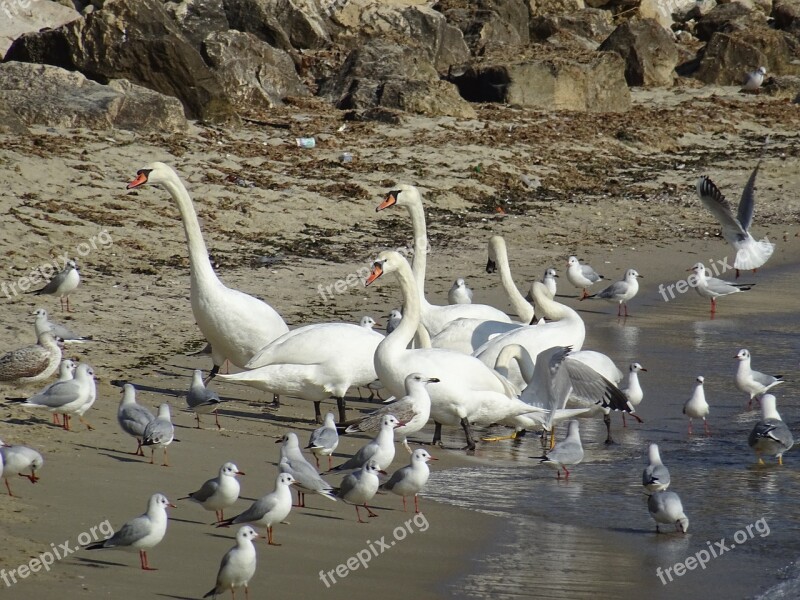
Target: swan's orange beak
{"points": [[377, 271], [389, 200], [141, 179]]}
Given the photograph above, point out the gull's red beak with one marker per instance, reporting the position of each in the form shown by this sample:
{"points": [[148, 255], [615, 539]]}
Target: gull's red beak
{"points": [[389, 200], [141, 179], [240, 473], [377, 271], [432, 458], [171, 505]]}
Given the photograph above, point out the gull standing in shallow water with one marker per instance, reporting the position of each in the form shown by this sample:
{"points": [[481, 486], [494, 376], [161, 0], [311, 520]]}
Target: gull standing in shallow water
{"points": [[16, 459], [696, 407], [31, 364], [666, 508], [750, 254], [409, 480], [202, 400], [62, 284], [159, 433], [581, 276], [360, 486], [711, 287], [133, 417], [770, 436], [142, 533], [460, 293], [568, 451], [324, 440], [238, 565], [632, 388], [655, 477], [413, 410], [267, 510], [753, 382], [620, 291], [218, 493], [306, 476]]}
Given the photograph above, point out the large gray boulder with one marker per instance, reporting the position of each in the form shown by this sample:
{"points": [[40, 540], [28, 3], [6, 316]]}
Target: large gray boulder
{"points": [[253, 74], [284, 24], [18, 17], [489, 25], [726, 18], [590, 24], [53, 97], [786, 14], [135, 40], [649, 52], [593, 82]]}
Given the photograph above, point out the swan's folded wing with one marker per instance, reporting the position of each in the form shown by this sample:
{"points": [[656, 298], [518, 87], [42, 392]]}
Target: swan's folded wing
{"points": [[314, 344], [748, 201], [718, 206]]}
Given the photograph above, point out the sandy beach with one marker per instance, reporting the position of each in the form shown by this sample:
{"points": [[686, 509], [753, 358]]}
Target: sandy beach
{"points": [[286, 224]]}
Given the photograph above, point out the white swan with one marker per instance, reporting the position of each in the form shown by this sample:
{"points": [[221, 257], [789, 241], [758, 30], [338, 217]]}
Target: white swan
{"points": [[568, 330], [236, 324], [498, 260], [468, 392], [434, 318], [314, 363]]}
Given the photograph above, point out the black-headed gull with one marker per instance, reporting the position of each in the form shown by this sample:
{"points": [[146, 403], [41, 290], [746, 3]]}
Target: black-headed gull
{"points": [[567, 452], [666, 508], [159, 433], [238, 565], [66, 371], [43, 323], [62, 284], [132, 417], [15, 460], [380, 449], [267, 510], [696, 407], [411, 479], [581, 276], [655, 477], [393, 320], [306, 476], [459, 293], [324, 440], [754, 79], [632, 388], [71, 397], [549, 281], [750, 254], [770, 436], [141, 533], [359, 487], [713, 288], [202, 400], [753, 382], [620, 291], [218, 493]]}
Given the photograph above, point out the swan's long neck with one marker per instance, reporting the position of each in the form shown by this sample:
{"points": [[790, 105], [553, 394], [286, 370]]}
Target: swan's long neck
{"points": [[521, 355], [548, 307], [521, 306], [404, 332], [420, 261], [200, 267]]}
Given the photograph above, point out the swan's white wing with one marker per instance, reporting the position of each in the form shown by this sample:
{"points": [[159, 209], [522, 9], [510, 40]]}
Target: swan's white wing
{"points": [[747, 203], [716, 203], [314, 344]]}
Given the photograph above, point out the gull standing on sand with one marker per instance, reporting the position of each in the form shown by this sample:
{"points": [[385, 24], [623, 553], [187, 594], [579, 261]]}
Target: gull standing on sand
{"points": [[754, 79], [409, 480], [666, 507], [62, 284], [306, 477], [202, 400], [750, 254], [31, 364], [16, 459], [218, 493], [753, 382], [393, 320], [655, 477], [620, 291], [581, 276], [267, 510], [159, 433], [711, 287], [324, 440], [43, 323], [238, 565], [66, 371], [413, 410], [632, 388], [132, 417], [141, 533], [360, 486], [460, 293], [549, 281], [71, 397], [568, 451], [380, 449], [696, 407], [770, 435]]}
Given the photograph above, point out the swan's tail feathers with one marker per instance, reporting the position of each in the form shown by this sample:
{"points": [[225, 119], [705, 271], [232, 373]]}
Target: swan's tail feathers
{"points": [[753, 254]]}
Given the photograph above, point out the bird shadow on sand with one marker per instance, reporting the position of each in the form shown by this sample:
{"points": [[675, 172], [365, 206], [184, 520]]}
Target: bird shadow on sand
{"points": [[98, 564], [192, 521], [177, 597]]}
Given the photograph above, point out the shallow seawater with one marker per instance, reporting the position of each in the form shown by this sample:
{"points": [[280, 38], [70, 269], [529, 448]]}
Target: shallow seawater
{"points": [[592, 536]]}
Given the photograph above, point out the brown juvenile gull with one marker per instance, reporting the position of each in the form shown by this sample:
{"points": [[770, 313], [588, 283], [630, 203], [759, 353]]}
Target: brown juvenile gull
{"points": [[33, 363]]}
